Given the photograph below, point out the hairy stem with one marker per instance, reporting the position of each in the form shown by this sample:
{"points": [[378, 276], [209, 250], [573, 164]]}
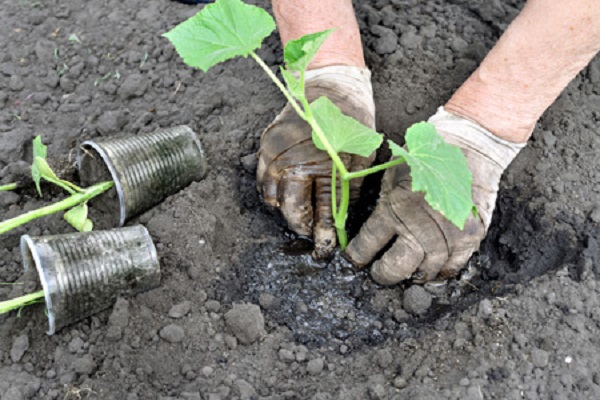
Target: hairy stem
{"points": [[333, 190], [69, 202], [342, 214], [10, 186], [19, 302]]}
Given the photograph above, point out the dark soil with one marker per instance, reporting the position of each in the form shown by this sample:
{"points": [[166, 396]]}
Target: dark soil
{"points": [[522, 322]]}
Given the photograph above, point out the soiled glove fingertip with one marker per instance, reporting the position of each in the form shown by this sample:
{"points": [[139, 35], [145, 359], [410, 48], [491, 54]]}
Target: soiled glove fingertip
{"points": [[383, 275]]}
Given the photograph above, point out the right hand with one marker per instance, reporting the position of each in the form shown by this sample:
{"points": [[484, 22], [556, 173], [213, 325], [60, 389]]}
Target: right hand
{"points": [[293, 175]]}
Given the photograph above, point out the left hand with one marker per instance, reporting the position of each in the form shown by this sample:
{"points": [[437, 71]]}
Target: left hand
{"points": [[426, 245]]}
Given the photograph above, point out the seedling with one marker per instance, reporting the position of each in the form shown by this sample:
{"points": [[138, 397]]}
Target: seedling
{"points": [[231, 28], [75, 205]]}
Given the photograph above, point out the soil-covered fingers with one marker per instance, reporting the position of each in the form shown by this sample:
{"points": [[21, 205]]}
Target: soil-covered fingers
{"points": [[463, 246], [324, 233], [295, 201], [374, 235], [399, 262], [278, 150]]}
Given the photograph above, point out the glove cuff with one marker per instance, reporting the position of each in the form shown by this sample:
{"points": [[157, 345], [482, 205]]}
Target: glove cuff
{"points": [[353, 83], [469, 135]]}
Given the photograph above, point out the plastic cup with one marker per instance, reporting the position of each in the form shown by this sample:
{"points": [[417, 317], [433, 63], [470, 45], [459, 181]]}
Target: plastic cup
{"points": [[145, 168], [85, 272]]}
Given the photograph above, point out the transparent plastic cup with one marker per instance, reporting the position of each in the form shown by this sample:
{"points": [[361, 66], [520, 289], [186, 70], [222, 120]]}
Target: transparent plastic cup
{"points": [[85, 272], [146, 169]]}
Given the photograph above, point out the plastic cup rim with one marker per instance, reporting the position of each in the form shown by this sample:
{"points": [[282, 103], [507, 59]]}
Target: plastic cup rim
{"points": [[27, 244], [114, 175]]}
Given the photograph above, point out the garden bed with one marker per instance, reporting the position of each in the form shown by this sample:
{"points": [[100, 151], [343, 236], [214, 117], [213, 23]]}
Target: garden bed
{"points": [[521, 324]]}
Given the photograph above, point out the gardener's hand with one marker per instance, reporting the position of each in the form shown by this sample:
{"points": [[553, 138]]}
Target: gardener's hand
{"points": [[293, 175], [425, 245]]}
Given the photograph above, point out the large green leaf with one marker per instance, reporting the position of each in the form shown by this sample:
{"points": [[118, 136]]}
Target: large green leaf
{"points": [[440, 170], [223, 30], [298, 53], [345, 134], [39, 152]]}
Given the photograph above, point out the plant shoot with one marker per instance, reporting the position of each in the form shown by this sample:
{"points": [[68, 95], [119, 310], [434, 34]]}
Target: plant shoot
{"points": [[231, 28]]}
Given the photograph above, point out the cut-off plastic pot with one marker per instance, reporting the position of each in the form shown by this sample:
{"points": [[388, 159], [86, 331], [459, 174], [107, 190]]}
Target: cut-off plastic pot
{"points": [[145, 168], [84, 273]]}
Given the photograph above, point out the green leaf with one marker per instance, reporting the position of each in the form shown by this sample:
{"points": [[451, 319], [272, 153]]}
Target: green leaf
{"points": [[298, 53], [77, 217], [440, 170], [44, 169], [222, 30], [293, 84], [39, 152], [345, 134]]}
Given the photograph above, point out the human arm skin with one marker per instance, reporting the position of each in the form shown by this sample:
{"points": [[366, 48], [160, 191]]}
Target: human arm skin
{"points": [[298, 18], [542, 50]]}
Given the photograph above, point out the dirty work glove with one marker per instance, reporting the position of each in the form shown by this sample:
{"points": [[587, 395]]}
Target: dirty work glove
{"points": [[293, 175], [426, 245]]}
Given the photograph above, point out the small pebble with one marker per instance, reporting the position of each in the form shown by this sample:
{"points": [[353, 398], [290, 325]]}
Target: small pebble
{"points": [[172, 333], [416, 300], [19, 347], [212, 306], [180, 310], [75, 344], [315, 367], [85, 365], [246, 322]]}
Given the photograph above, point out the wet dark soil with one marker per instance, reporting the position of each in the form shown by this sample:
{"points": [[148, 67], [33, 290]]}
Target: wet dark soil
{"points": [[521, 322]]}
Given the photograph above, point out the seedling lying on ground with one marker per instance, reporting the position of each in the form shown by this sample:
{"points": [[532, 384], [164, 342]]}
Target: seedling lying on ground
{"points": [[231, 28], [76, 203], [20, 302]]}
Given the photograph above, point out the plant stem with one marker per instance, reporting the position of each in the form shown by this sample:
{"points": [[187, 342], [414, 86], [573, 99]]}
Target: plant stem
{"points": [[66, 185], [342, 214], [305, 115], [10, 186], [19, 302], [62, 205], [372, 170], [333, 190], [279, 84]]}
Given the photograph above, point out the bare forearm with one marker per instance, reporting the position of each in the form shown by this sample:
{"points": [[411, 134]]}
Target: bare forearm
{"points": [[534, 60], [296, 18]]}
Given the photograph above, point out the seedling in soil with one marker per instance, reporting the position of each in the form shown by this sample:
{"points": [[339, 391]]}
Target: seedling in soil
{"points": [[231, 28], [75, 205]]}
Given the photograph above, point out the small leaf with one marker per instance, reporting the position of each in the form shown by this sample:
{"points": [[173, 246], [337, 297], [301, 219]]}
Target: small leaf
{"points": [[440, 170], [44, 169], [345, 134], [88, 226], [39, 151], [293, 84], [223, 30], [298, 53], [77, 217]]}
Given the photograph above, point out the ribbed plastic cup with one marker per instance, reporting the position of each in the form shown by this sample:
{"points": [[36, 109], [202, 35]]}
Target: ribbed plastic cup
{"points": [[145, 168], [84, 273]]}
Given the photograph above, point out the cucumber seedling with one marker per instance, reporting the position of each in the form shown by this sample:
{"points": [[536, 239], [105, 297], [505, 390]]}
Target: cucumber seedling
{"points": [[231, 28], [75, 205]]}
